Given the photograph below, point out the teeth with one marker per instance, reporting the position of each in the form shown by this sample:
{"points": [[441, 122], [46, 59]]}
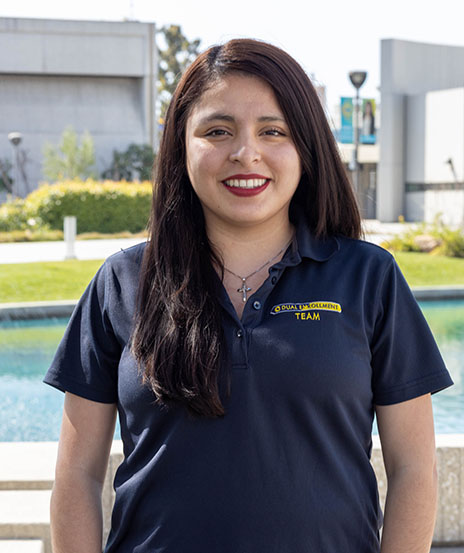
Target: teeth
{"points": [[246, 183]]}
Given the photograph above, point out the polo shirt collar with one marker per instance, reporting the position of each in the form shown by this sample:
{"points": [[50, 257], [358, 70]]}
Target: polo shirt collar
{"points": [[314, 248], [305, 244]]}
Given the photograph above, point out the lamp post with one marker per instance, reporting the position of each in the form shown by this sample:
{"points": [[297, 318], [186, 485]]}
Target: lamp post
{"points": [[15, 139], [357, 79]]}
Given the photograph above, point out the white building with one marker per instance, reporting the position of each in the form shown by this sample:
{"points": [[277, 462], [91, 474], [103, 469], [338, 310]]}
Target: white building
{"points": [[95, 76], [421, 164]]}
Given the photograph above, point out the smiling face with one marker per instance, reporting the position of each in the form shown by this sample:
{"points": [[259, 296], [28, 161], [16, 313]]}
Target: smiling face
{"points": [[241, 160]]}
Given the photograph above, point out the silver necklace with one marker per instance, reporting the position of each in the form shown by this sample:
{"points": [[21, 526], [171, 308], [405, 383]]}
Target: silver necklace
{"points": [[244, 289]]}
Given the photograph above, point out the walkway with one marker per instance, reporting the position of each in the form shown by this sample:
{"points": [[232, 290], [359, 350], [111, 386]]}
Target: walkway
{"points": [[28, 252]]}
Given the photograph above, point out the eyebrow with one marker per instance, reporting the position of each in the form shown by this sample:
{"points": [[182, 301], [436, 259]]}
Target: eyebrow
{"points": [[229, 118]]}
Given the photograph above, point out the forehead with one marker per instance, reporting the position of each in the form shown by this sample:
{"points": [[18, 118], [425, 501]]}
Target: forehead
{"points": [[237, 94]]}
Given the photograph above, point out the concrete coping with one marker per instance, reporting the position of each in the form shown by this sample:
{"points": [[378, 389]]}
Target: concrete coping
{"points": [[32, 521], [21, 546], [17, 471], [438, 292], [36, 310], [24, 507], [64, 308]]}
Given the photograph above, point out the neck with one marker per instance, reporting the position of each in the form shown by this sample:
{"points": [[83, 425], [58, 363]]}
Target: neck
{"points": [[244, 249]]}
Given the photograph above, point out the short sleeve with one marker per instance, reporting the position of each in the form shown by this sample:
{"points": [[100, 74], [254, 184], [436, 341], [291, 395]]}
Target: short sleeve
{"points": [[86, 362], [406, 361]]}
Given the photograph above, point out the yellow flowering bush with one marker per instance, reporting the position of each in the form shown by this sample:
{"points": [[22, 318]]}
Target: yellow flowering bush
{"points": [[104, 207]]}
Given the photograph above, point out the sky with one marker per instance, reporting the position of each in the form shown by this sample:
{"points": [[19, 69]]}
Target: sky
{"points": [[329, 37]]}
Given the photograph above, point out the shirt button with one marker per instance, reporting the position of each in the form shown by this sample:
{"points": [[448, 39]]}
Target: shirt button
{"points": [[257, 305], [239, 333], [274, 280]]}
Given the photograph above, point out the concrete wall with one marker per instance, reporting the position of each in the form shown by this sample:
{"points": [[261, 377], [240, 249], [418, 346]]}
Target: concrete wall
{"points": [[434, 135], [444, 133], [95, 76], [415, 138], [449, 528], [428, 205], [28, 484], [410, 70]]}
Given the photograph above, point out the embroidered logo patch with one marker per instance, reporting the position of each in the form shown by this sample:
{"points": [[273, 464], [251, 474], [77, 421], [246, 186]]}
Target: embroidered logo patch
{"points": [[307, 310]]}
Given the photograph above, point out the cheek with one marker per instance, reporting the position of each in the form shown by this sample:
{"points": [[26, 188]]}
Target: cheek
{"points": [[290, 163], [201, 160]]}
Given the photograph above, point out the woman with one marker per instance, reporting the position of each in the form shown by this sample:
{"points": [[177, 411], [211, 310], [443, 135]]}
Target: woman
{"points": [[247, 345], [368, 125]]}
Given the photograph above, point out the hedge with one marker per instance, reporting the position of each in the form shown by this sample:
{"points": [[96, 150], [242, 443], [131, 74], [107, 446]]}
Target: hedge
{"points": [[105, 207], [13, 216]]}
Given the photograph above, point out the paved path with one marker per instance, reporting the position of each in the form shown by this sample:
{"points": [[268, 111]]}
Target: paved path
{"points": [[28, 252], [24, 252]]}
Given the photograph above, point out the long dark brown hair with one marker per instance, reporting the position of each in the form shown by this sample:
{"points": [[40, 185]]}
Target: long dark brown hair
{"points": [[178, 338]]}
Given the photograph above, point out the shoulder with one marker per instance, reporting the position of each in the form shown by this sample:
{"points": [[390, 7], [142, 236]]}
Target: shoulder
{"points": [[362, 251], [133, 254], [365, 265], [126, 261], [118, 277]]}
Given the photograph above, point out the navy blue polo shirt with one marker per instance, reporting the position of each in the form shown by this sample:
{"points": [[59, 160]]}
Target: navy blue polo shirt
{"points": [[333, 331]]}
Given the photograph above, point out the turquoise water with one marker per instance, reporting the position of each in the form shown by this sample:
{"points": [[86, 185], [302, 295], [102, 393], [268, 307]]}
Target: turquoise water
{"points": [[31, 411], [446, 319]]}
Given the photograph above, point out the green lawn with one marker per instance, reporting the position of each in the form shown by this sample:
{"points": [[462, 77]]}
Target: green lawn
{"points": [[60, 280], [421, 269], [65, 280]]}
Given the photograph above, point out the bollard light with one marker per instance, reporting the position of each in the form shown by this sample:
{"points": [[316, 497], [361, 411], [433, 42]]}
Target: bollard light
{"points": [[69, 230]]}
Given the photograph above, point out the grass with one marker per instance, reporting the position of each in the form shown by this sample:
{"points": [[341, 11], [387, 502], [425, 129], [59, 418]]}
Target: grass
{"points": [[64, 280], [421, 269], [60, 280]]}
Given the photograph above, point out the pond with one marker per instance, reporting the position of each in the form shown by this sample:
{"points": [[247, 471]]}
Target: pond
{"points": [[31, 411]]}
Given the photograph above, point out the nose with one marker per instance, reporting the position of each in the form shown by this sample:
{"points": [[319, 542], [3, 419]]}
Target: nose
{"points": [[245, 151]]}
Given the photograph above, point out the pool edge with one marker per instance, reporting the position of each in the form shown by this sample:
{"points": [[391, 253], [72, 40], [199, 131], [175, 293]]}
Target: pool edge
{"points": [[64, 308], [36, 310]]}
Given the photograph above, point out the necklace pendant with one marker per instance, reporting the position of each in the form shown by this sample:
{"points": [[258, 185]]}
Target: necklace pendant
{"points": [[244, 289]]}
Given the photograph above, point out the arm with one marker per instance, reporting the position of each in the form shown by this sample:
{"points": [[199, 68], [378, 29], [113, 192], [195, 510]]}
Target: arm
{"points": [[408, 445], [85, 443]]}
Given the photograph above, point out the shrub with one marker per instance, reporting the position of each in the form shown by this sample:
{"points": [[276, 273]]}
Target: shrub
{"points": [[406, 241], [105, 207], [30, 236], [13, 216], [452, 242], [436, 238]]}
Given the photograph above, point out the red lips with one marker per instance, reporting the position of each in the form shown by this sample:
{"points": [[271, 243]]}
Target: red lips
{"points": [[246, 192]]}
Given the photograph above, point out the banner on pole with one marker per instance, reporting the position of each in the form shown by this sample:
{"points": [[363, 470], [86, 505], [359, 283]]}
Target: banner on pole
{"points": [[346, 127], [367, 134]]}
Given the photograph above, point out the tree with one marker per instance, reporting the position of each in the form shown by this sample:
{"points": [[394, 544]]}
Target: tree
{"points": [[135, 162], [176, 53], [6, 181], [70, 160], [19, 184]]}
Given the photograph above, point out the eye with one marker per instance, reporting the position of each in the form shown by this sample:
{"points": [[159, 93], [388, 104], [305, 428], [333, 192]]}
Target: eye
{"points": [[217, 132], [274, 132]]}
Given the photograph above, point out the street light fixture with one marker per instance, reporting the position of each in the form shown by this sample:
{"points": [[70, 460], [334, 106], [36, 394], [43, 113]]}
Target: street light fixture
{"points": [[357, 79], [15, 138]]}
